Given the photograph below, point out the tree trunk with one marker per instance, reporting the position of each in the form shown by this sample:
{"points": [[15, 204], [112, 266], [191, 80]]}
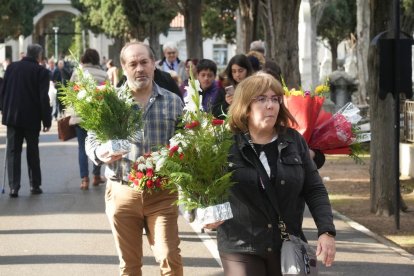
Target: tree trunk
{"points": [[362, 48], [192, 23], [334, 54], [154, 41], [382, 120], [247, 24], [283, 20], [317, 8]]}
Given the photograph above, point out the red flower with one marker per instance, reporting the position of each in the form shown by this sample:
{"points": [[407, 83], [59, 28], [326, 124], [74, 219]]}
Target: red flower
{"points": [[173, 149], [158, 182], [76, 87], [181, 156], [150, 172], [139, 175], [217, 122], [136, 182], [193, 124], [131, 177], [150, 184]]}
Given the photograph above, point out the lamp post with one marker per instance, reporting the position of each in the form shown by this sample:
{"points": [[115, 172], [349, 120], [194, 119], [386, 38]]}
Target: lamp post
{"points": [[56, 29]]}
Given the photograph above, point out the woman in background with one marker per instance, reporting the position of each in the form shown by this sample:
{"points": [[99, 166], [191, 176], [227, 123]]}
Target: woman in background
{"points": [[89, 62], [238, 69]]}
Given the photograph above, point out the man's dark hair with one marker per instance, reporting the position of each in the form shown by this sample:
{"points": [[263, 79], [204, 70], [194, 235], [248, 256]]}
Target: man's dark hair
{"points": [[273, 69], [90, 56], [35, 51], [207, 64]]}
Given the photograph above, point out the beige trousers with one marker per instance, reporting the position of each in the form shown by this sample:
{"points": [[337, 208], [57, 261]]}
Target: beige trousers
{"points": [[129, 212]]}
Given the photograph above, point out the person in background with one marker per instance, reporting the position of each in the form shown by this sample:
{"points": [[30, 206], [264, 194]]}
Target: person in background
{"points": [[237, 69], [112, 72], [24, 103], [206, 75], [258, 46], [170, 61], [189, 63], [130, 211], [60, 77], [271, 166], [89, 62], [256, 58]]}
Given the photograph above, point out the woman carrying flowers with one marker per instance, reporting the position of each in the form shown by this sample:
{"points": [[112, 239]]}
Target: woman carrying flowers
{"points": [[270, 163]]}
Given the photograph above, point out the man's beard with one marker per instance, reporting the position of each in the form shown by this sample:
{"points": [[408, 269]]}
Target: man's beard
{"points": [[135, 84]]}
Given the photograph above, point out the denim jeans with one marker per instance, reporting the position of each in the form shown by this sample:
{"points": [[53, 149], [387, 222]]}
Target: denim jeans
{"points": [[82, 157]]}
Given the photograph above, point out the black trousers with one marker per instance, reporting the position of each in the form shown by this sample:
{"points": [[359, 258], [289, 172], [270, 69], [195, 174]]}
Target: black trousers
{"points": [[251, 265], [15, 137]]}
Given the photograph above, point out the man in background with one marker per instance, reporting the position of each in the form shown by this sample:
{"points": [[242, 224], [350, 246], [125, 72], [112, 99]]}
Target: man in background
{"points": [[24, 102], [171, 62]]}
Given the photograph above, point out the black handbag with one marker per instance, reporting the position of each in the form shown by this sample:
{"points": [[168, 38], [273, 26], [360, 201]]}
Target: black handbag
{"points": [[296, 256]]}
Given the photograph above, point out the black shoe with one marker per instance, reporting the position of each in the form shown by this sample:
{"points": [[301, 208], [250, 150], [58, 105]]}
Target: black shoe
{"points": [[35, 190], [13, 193]]}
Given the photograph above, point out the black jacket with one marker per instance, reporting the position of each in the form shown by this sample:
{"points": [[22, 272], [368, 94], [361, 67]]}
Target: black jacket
{"points": [[24, 98], [253, 228]]}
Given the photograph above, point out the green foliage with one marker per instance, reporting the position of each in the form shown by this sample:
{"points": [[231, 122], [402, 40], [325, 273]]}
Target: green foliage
{"points": [[111, 114], [338, 21], [66, 25], [200, 172], [149, 16], [197, 162], [125, 18], [17, 17], [219, 20]]}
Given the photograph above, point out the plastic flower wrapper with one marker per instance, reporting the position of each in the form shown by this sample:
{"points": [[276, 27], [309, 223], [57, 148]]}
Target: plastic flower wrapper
{"points": [[331, 133], [197, 163], [305, 107], [107, 111], [338, 132], [144, 174]]}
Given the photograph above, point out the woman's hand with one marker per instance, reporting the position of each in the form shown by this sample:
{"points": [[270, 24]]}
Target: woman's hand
{"points": [[326, 249], [213, 225], [229, 98]]}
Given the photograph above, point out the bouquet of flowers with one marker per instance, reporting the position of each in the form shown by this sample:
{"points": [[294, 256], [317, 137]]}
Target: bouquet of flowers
{"points": [[197, 161], [144, 174], [109, 112], [331, 133]]}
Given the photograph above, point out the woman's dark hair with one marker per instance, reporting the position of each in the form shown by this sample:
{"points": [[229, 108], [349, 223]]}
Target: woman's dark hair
{"points": [[193, 60], [242, 61], [90, 56]]}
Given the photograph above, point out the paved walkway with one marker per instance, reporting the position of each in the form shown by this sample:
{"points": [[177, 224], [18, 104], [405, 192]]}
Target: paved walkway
{"points": [[65, 231]]}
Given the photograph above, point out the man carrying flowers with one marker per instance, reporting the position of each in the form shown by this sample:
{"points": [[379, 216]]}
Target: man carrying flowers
{"points": [[130, 210]]}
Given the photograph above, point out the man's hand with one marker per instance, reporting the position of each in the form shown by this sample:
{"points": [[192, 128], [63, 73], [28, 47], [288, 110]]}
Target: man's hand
{"points": [[103, 154], [46, 129]]}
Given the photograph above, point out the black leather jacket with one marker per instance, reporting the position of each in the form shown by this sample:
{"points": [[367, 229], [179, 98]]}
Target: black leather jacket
{"points": [[253, 228]]}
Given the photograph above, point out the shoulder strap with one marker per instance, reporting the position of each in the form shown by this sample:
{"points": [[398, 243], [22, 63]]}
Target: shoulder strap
{"points": [[270, 192]]}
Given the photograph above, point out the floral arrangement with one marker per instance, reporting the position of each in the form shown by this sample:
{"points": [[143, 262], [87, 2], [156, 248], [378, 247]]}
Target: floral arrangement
{"points": [[144, 174], [197, 159], [331, 133], [105, 110]]}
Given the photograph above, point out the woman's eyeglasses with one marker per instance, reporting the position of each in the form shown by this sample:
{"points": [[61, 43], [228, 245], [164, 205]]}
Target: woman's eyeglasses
{"points": [[263, 99]]}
